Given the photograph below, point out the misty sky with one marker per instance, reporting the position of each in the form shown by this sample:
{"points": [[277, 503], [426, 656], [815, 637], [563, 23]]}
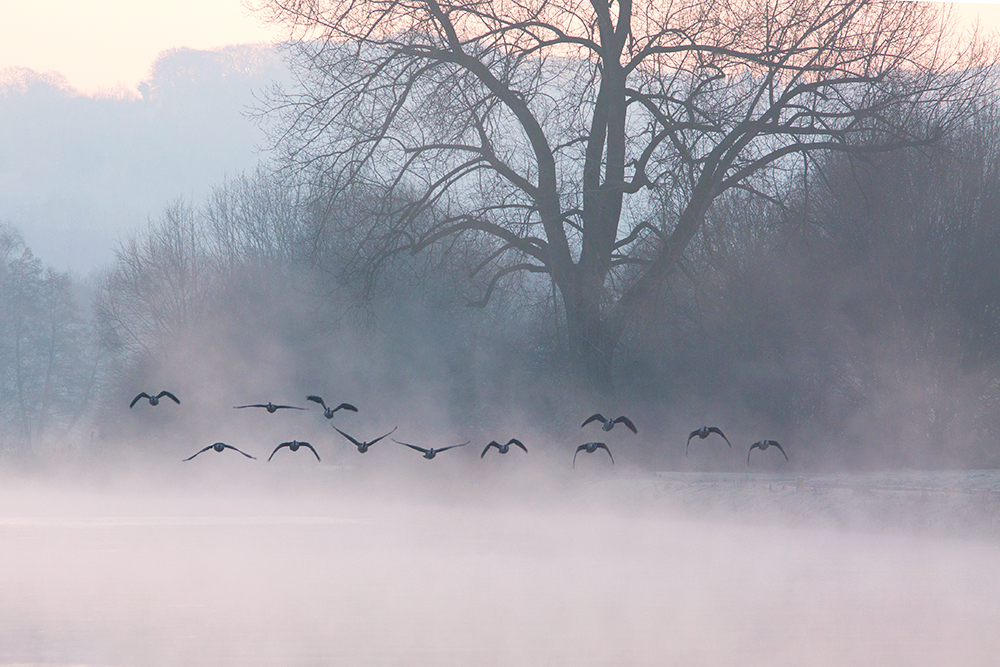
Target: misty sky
{"points": [[105, 43], [82, 164], [101, 44], [72, 212]]}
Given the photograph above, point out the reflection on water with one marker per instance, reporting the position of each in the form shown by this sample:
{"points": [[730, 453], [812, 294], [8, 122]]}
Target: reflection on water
{"points": [[137, 581]]}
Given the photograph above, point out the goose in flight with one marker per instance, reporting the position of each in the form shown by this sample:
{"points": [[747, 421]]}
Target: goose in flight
{"points": [[363, 446], [294, 446], [503, 449], [432, 452], [590, 448], [608, 424], [703, 433], [764, 444], [219, 446], [270, 407], [328, 412], [154, 400]]}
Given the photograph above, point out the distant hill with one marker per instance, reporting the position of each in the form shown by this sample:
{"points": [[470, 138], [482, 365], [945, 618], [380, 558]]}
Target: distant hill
{"points": [[76, 171]]}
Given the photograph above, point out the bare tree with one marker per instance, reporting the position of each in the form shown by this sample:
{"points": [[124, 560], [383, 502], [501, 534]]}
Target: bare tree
{"points": [[21, 310], [586, 141], [47, 368], [68, 355], [252, 220], [159, 286]]}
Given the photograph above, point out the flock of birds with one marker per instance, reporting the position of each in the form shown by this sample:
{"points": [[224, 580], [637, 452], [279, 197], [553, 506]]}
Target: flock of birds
{"points": [[430, 452]]}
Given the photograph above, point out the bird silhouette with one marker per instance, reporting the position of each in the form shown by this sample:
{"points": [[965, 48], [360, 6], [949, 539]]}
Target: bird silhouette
{"points": [[363, 446], [294, 446], [329, 412], [703, 433], [590, 448], [608, 424], [763, 445], [219, 446], [432, 452], [503, 449], [154, 400], [270, 407]]}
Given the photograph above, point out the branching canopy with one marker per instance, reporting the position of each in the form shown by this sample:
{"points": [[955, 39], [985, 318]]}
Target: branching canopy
{"points": [[586, 139]]}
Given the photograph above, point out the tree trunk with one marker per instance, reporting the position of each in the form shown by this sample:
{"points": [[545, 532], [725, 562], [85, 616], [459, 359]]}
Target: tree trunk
{"points": [[19, 379], [43, 414], [591, 344]]}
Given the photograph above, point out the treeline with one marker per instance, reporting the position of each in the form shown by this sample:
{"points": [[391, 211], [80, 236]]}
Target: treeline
{"points": [[861, 315], [250, 297], [49, 359], [858, 317]]}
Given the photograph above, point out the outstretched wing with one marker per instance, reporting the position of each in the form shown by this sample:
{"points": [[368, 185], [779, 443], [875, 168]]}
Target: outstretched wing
{"points": [[688, 445], [406, 444], [628, 422], [238, 450], [286, 407], [306, 444], [578, 449], [515, 441], [444, 449], [774, 443], [252, 405], [135, 400], [199, 452], [716, 429], [601, 445], [381, 436], [755, 445], [168, 395], [356, 443], [316, 399], [493, 443], [284, 444], [593, 418], [345, 406]]}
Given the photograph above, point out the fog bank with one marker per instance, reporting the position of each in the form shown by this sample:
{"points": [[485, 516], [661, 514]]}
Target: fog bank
{"points": [[212, 573]]}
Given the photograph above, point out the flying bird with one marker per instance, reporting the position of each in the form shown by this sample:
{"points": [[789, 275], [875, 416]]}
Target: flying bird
{"points": [[328, 412], [294, 446], [503, 449], [219, 446], [432, 452], [363, 446], [590, 448], [154, 400], [270, 407], [608, 424], [764, 444], [703, 433]]}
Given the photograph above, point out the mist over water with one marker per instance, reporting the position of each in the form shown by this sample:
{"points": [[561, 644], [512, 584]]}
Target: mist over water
{"points": [[383, 559]]}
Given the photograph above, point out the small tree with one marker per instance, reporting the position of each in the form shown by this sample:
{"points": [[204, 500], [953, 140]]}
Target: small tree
{"points": [[586, 141], [158, 288], [47, 367]]}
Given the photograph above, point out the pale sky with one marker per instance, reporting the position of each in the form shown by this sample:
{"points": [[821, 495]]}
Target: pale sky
{"points": [[99, 44]]}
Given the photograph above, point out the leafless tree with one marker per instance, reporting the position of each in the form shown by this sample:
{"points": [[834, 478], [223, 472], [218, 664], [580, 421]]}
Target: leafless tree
{"points": [[21, 305], [864, 308], [252, 220], [47, 368], [257, 232], [550, 129], [159, 285]]}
